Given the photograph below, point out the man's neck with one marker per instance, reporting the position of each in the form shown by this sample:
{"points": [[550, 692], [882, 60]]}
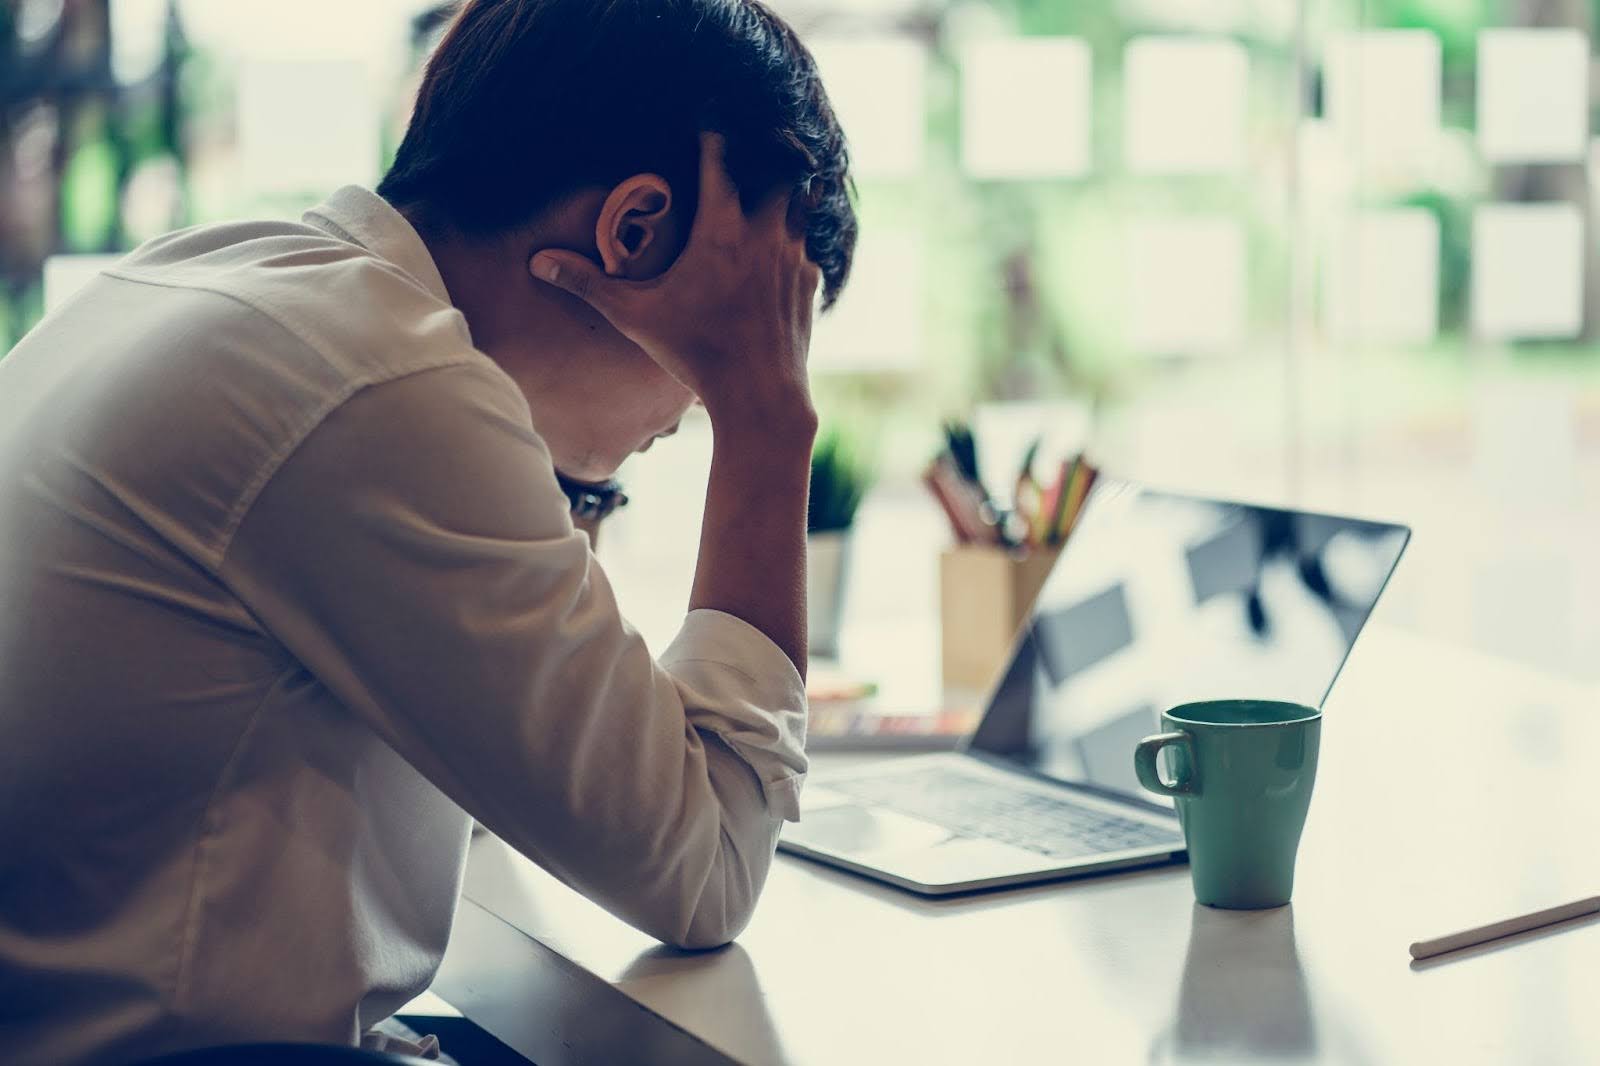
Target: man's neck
{"points": [[474, 274], [515, 322]]}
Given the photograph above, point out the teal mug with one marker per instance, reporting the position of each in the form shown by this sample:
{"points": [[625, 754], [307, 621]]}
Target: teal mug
{"points": [[1241, 774]]}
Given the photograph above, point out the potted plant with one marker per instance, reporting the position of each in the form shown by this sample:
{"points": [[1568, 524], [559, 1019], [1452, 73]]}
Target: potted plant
{"points": [[839, 479]]}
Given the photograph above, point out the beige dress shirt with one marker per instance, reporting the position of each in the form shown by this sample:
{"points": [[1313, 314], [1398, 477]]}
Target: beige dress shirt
{"points": [[289, 594]]}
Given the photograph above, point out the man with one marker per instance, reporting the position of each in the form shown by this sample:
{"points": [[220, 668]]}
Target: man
{"points": [[289, 592]]}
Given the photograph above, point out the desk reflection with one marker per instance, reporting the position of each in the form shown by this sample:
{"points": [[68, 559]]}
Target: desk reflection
{"points": [[725, 977], [1243, 995]]}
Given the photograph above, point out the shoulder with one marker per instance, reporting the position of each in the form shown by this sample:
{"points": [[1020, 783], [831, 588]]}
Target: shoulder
{"points": [[254, 335], [365, 320]]}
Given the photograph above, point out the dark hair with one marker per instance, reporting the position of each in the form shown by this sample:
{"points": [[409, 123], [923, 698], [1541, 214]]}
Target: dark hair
{"points": [[525, 101]]}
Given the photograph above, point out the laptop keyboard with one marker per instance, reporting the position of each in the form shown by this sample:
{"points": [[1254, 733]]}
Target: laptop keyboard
{"points": [[978, 807]]}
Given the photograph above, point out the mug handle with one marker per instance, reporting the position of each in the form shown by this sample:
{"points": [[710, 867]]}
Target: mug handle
{"points": [[1144, 763]]}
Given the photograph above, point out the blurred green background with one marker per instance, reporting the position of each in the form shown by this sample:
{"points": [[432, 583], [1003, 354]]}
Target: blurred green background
{"points": [[1066, 302]]}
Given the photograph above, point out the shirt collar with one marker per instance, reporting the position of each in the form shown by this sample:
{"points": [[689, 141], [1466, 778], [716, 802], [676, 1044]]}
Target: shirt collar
{"points": [[365, 218]]}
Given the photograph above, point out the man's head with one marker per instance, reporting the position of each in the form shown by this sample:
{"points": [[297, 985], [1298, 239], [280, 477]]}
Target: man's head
{"points": [[575, 124]]}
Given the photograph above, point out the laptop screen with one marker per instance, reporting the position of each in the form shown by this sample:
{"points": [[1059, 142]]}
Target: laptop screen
{"points": [[1159, 600]]}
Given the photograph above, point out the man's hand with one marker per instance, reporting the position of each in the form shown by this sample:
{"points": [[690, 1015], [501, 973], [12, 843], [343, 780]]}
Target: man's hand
{"points": [[591, 526], [731, 318]]}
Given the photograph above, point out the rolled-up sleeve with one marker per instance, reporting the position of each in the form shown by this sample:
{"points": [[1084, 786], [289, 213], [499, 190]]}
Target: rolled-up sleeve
{"points": [[740, 686], [414, 553]]}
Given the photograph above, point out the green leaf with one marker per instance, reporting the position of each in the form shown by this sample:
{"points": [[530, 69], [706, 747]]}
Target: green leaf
{"points": [[839, 480]]}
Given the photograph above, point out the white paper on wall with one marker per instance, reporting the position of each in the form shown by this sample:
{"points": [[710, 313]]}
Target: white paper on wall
{"points": [[1025, 108], [306, 126], [878, 88], [1381, 283], [1527, 271], [1184, 105], [1186, 284], [1533, 95], [1381, 94], [877, 323]]}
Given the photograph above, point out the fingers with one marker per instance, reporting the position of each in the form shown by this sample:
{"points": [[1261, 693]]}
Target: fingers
{"points": [[579, 276], [720, 212]]}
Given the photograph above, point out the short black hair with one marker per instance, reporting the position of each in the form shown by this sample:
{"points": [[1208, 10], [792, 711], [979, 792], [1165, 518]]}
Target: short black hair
{"points": [[525, 101]]}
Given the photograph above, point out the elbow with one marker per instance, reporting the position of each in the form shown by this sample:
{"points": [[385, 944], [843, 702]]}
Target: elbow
{"points": [[705, 933], [725, 902]]}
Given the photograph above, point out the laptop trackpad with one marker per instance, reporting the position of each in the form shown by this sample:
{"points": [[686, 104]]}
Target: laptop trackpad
{"points": [[857, 830], [909, 847]]}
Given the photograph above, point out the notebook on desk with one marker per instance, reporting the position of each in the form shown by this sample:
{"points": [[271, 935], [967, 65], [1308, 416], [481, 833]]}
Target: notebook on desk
{"points": [[1157, 600]]}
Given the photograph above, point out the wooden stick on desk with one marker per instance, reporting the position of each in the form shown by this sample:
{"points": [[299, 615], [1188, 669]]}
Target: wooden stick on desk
{"points": [[1427, 949]]}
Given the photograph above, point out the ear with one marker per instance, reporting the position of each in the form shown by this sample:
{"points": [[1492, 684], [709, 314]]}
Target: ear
{"points": [[631, 230]]}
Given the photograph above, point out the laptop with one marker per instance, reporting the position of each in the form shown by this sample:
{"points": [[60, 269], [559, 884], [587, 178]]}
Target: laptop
{"points": [[1157, 600]]}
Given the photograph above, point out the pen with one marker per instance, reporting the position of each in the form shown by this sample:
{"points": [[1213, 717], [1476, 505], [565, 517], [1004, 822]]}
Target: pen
{"points": [[1082, 481], [962, 501], [963, 448], [1055, 531], [1025, 496], [1427, 949]]}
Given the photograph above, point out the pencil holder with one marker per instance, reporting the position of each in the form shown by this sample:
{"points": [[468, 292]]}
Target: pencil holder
{"points": [[985, 593]]}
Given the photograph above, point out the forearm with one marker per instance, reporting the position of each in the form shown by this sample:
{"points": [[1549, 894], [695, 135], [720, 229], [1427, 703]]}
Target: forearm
{"points": [[753, 538]]}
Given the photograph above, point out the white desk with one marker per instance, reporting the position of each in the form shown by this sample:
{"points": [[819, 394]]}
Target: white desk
{"points": [[1453, 789]]}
